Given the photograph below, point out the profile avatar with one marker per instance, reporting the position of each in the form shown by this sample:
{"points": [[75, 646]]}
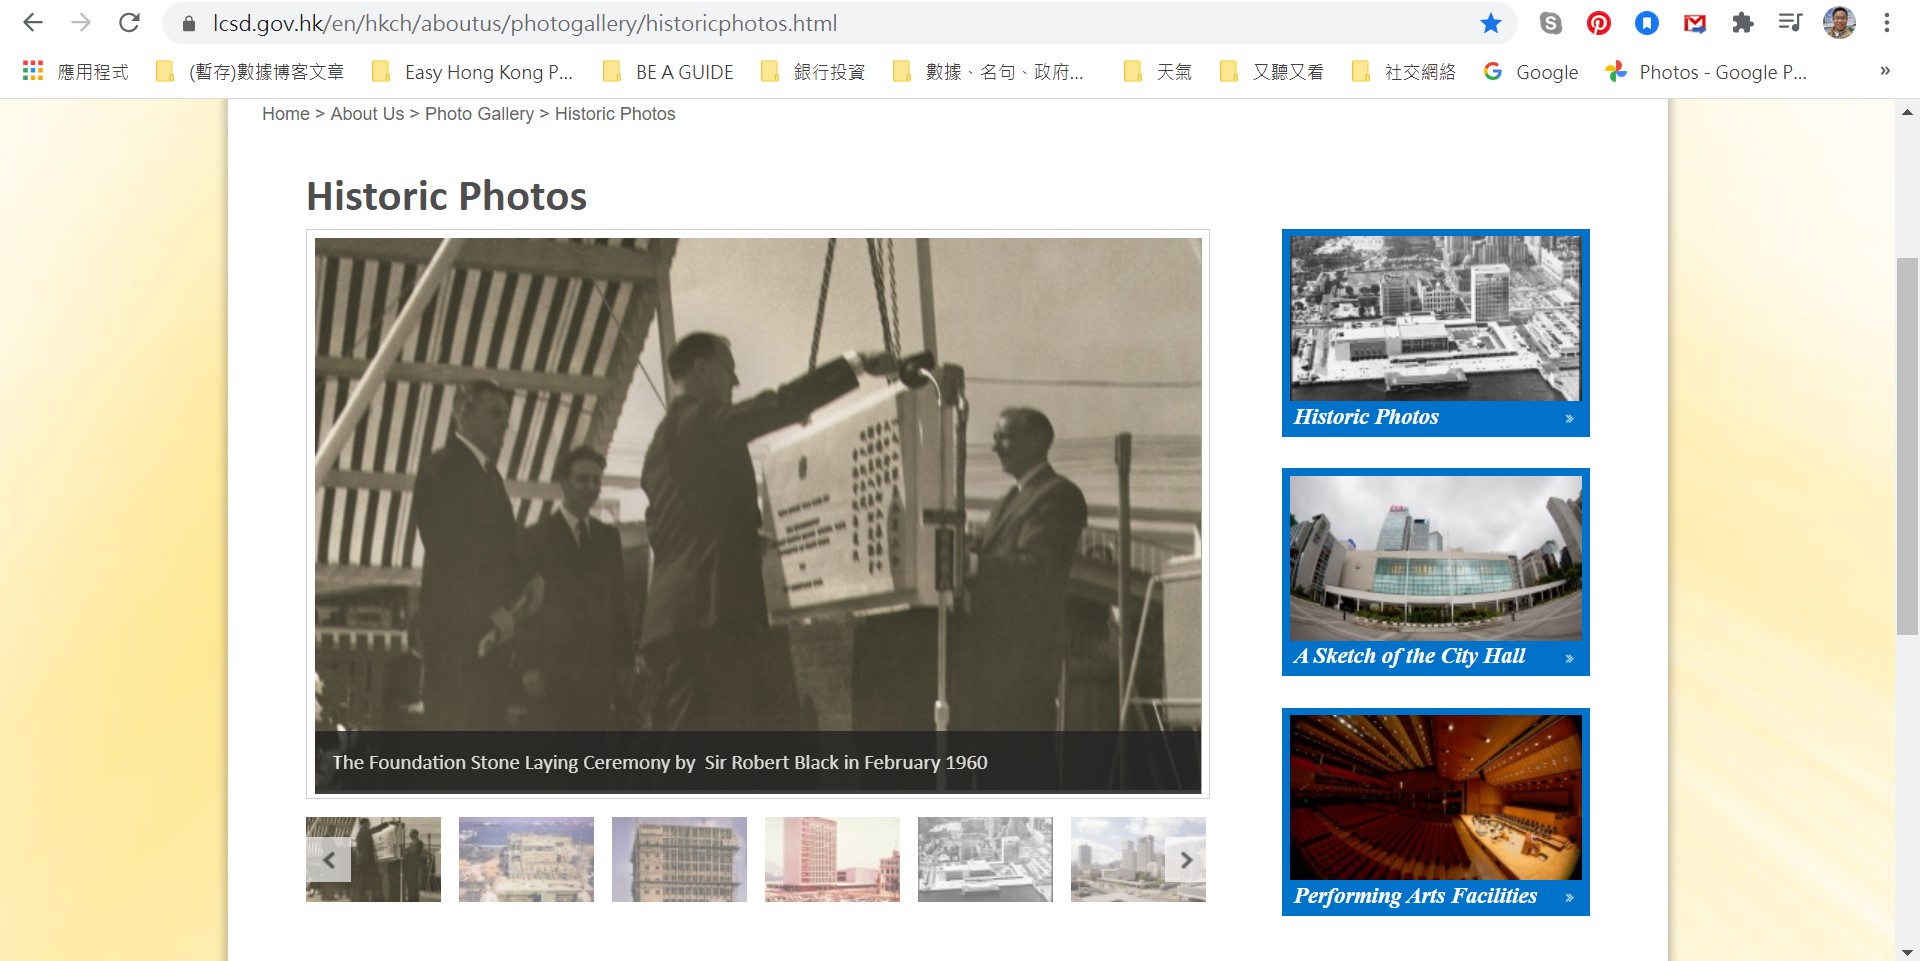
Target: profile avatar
{"points": [[1840, 23]]}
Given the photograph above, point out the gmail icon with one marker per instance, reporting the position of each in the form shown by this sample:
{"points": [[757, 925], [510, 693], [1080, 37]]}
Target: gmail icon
{"points": [[1696, 22]]}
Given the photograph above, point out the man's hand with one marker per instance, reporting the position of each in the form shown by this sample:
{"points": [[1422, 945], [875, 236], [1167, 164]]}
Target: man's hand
{"points": [[533, 684], [879, 363], [536, 594], [502, 626]]}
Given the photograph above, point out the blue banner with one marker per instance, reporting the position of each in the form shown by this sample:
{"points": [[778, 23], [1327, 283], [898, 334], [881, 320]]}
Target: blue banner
{"points": [[1436, 658], [1486, 898]]}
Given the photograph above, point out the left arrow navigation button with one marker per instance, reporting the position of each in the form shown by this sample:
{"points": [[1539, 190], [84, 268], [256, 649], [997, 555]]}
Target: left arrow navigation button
{"points": [[329, 860]]}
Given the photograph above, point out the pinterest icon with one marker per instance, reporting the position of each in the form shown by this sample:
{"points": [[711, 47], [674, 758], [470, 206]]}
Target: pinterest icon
{"points": [[1598, 22]]}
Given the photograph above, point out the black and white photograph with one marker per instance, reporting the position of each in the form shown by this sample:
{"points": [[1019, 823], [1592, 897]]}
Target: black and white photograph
{"points": [[758, 484], [1380, 556], [1436, 317], [373, 859], [986, 859]]}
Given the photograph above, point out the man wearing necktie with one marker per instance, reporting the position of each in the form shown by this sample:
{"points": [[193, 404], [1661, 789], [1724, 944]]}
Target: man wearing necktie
{"points": [[705, 646], [472, 575], [1007, 677], [572, 652]]}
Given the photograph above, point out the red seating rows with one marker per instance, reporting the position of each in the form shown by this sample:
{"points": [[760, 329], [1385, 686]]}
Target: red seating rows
{"points": [[1381, 844]]}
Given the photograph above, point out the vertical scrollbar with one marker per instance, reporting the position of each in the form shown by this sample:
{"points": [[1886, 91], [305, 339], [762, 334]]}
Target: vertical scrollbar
{"points": [[1907, 451], [1906, 657]]}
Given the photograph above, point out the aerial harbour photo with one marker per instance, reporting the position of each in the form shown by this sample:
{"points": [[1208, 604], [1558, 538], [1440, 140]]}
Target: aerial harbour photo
{"points": [[1441, 317], [526, 859]]}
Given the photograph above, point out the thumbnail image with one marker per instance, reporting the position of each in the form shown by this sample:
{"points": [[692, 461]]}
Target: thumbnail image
{"points": [[524, 519], [1385, 557], [1444, 317], [986, 859], [679, 859], [373, 859], [833, 859], [1441, 797], [526, 859], [1139, 859]]}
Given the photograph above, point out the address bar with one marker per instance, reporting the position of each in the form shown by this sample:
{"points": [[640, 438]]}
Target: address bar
{"points": [[847, 22], [472, 27]]}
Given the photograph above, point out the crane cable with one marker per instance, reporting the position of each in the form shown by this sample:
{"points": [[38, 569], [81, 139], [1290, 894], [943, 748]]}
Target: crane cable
{"points": [[886, 292], [820, 313]]}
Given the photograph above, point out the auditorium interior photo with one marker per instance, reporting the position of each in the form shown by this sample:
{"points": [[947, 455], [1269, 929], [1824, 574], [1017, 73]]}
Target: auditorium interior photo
{"points": [[1435, 797]]}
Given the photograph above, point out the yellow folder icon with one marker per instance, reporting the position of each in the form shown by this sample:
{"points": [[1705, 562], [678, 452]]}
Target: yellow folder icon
{"points": [[610, 71], [769, 71], [1229, 72], [163, 71], [1133, 71], [1360, 72], [380, 72], [902, 71]]}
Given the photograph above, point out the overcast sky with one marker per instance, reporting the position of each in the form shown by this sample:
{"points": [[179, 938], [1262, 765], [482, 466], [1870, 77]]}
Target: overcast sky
{"points": [[862, 842], [1493, 513], [1125, 310], [1106, 835]]}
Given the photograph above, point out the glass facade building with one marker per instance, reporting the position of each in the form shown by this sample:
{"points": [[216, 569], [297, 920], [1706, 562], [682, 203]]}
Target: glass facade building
{"points": [[1443, 576], [1395, 532]]}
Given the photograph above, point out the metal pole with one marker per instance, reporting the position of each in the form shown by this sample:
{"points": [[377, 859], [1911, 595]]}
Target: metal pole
{"points": [[942, 712], [376, 374], [923, 255], [1123, 459], [663, 312]]}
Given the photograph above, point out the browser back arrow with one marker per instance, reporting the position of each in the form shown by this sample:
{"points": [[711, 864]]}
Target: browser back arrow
{"points": [[30, 21]]}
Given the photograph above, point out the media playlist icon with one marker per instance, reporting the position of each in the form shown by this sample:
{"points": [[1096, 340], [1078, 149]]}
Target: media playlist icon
{"points": [[1598, 23], [1615, 71], [1550, 23], [1491, 71], [1790, 21], [1742, 23], [1648, 23]]}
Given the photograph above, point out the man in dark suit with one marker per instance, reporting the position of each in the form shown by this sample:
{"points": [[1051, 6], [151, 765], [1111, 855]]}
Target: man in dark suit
{"points": [[1006, 678], [364, 864], [413, 866], [472, 577], [704, 644], [571, 654]]}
